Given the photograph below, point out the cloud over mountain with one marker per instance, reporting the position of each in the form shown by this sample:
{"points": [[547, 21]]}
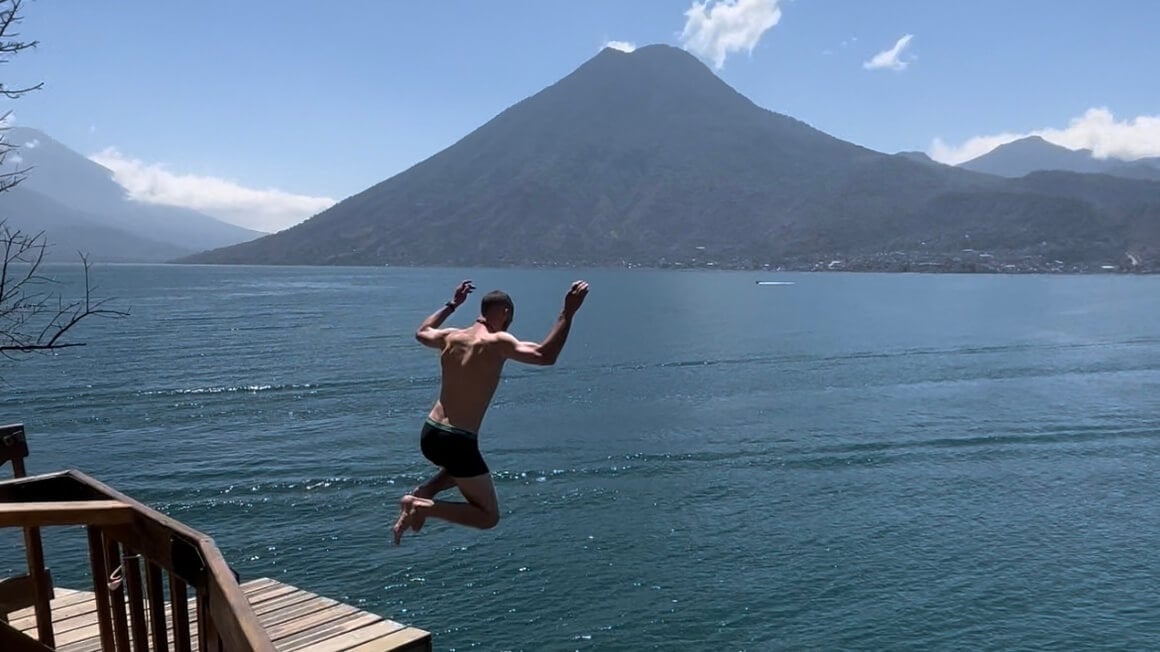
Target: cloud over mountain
{"points": [[266, 209], [728, 26], [1097, 129]]}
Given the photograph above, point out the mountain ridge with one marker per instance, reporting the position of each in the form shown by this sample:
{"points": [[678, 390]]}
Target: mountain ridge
{"points": [[69, 233], [649, 158], [1035, 154]]}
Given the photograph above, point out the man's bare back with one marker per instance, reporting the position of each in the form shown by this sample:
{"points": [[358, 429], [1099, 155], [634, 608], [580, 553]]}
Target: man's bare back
{"points": [[472, 360]]}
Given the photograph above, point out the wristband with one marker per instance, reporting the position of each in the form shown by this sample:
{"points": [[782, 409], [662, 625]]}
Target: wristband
{"points": [[451, 304]]}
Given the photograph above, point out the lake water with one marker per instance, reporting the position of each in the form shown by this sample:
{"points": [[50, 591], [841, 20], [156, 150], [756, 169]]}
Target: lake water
{"points": [[848, 462]]}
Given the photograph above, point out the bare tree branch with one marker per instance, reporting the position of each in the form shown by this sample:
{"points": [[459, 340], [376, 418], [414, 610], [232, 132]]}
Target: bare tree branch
{"points": [[9, 18], [34, 315], [33, 318], [9, 46]]}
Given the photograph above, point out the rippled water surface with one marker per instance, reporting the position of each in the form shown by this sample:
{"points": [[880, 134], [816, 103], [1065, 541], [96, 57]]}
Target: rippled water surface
{"points": [[848, 462]]}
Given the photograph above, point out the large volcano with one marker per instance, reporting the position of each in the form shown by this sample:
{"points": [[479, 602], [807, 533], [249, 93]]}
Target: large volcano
{"points": [[648, 157]]}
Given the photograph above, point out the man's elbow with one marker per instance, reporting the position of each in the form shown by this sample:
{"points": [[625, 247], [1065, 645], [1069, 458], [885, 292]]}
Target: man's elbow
{"points": [[538, 357]]}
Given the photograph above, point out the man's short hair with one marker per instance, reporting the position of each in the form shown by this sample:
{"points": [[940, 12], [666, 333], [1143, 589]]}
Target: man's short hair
{"points": [[495, 299]]}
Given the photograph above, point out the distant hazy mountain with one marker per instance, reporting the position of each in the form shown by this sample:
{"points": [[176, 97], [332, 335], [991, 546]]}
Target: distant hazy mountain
{"points": [[87, 193], [68, 231], [649, 158], [1033, 154], [918, 157]]}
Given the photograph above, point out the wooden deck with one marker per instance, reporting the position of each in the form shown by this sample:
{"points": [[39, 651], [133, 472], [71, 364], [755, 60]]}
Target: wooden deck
{"points": [[293, 618]]}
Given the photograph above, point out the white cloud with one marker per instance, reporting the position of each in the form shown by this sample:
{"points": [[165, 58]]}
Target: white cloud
{"points": [[728, 26], [891, 58], [623, 46], [264, 210], [972, 148], [32, 144], [1097, 129]]}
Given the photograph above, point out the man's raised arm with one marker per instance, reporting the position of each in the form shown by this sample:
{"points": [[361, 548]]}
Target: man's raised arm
{"points": [[547, 352], [429, 333]]}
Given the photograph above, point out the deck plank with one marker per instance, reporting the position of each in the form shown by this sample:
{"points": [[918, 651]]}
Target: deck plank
{"points": [[74, 617], [363, 635], [277, 623], [280, 599], [293, 618], [408, 639], [258, 584], [62, 599], [296, 625], [264, 593], [308, 639]]}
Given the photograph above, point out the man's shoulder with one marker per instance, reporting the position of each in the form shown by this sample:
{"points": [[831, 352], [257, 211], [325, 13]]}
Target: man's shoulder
{"points": [[498, 342], [475, 336], [504, 338]]}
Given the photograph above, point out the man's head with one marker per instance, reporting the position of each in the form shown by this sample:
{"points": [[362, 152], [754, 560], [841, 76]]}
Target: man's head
{"points": [[497, 310]]}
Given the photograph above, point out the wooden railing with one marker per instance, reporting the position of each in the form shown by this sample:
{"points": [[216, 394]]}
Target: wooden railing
{"points": [[33, 589], [134, 551]]}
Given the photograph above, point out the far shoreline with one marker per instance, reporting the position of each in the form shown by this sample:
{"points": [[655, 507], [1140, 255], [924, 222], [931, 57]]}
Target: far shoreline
{"points": [[916, 270]]}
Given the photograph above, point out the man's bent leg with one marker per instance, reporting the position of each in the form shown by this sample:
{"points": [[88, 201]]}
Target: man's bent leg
{"points": [[480, 511], [441, 481], [455, 451]]}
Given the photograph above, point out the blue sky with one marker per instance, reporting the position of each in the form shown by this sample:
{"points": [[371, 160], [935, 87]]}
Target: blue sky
{"points": [[233, 107]]}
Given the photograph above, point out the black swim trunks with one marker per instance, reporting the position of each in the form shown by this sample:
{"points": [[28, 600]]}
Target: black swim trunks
{"points": [[454, 449]]}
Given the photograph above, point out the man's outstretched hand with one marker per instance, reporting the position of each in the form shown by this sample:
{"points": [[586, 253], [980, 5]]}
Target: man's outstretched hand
{"points": [[575, 297], [465, 288]]}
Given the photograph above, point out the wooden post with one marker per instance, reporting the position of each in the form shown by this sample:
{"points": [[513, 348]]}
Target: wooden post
{"points": [[207, 637], [132, 564], [41, 587], [117, 597], [13, 445], [179, 600], [156, 591], [101, 587]]}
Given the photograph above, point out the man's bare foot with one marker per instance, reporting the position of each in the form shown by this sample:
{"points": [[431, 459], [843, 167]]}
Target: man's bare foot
{"points": [[417, 519], [409, 510], [406, 514]]}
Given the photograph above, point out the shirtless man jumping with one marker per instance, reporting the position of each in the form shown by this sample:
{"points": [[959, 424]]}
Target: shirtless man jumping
{"points": [[472, 360]]}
